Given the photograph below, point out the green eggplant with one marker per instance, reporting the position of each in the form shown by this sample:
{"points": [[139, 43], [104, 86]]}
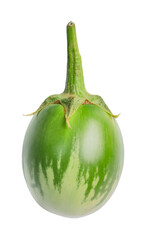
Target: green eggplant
{"points": [[73, 149]]}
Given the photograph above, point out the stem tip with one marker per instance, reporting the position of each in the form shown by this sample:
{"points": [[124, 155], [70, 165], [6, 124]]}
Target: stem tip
{"points": [[70, 24]]}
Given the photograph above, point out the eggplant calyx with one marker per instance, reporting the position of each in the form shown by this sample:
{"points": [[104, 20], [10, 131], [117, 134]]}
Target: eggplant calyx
{"points": [[71, 103]]}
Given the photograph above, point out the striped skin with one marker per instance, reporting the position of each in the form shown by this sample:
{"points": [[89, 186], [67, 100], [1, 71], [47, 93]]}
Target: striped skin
{"points": [[72, 172]]}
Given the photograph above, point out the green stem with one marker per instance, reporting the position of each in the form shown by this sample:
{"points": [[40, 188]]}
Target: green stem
{"points": [[75, 80]]}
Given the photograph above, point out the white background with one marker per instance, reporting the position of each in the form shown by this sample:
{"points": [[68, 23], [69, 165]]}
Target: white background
{"points": [[113, 38]]}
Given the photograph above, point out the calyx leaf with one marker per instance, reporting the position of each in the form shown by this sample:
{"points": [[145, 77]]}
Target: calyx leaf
{"points": [[98, 101], [71, 104], [50, 100]]}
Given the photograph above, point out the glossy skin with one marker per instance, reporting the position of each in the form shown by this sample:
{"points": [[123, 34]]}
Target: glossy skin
{"points": [[72, 172]]}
